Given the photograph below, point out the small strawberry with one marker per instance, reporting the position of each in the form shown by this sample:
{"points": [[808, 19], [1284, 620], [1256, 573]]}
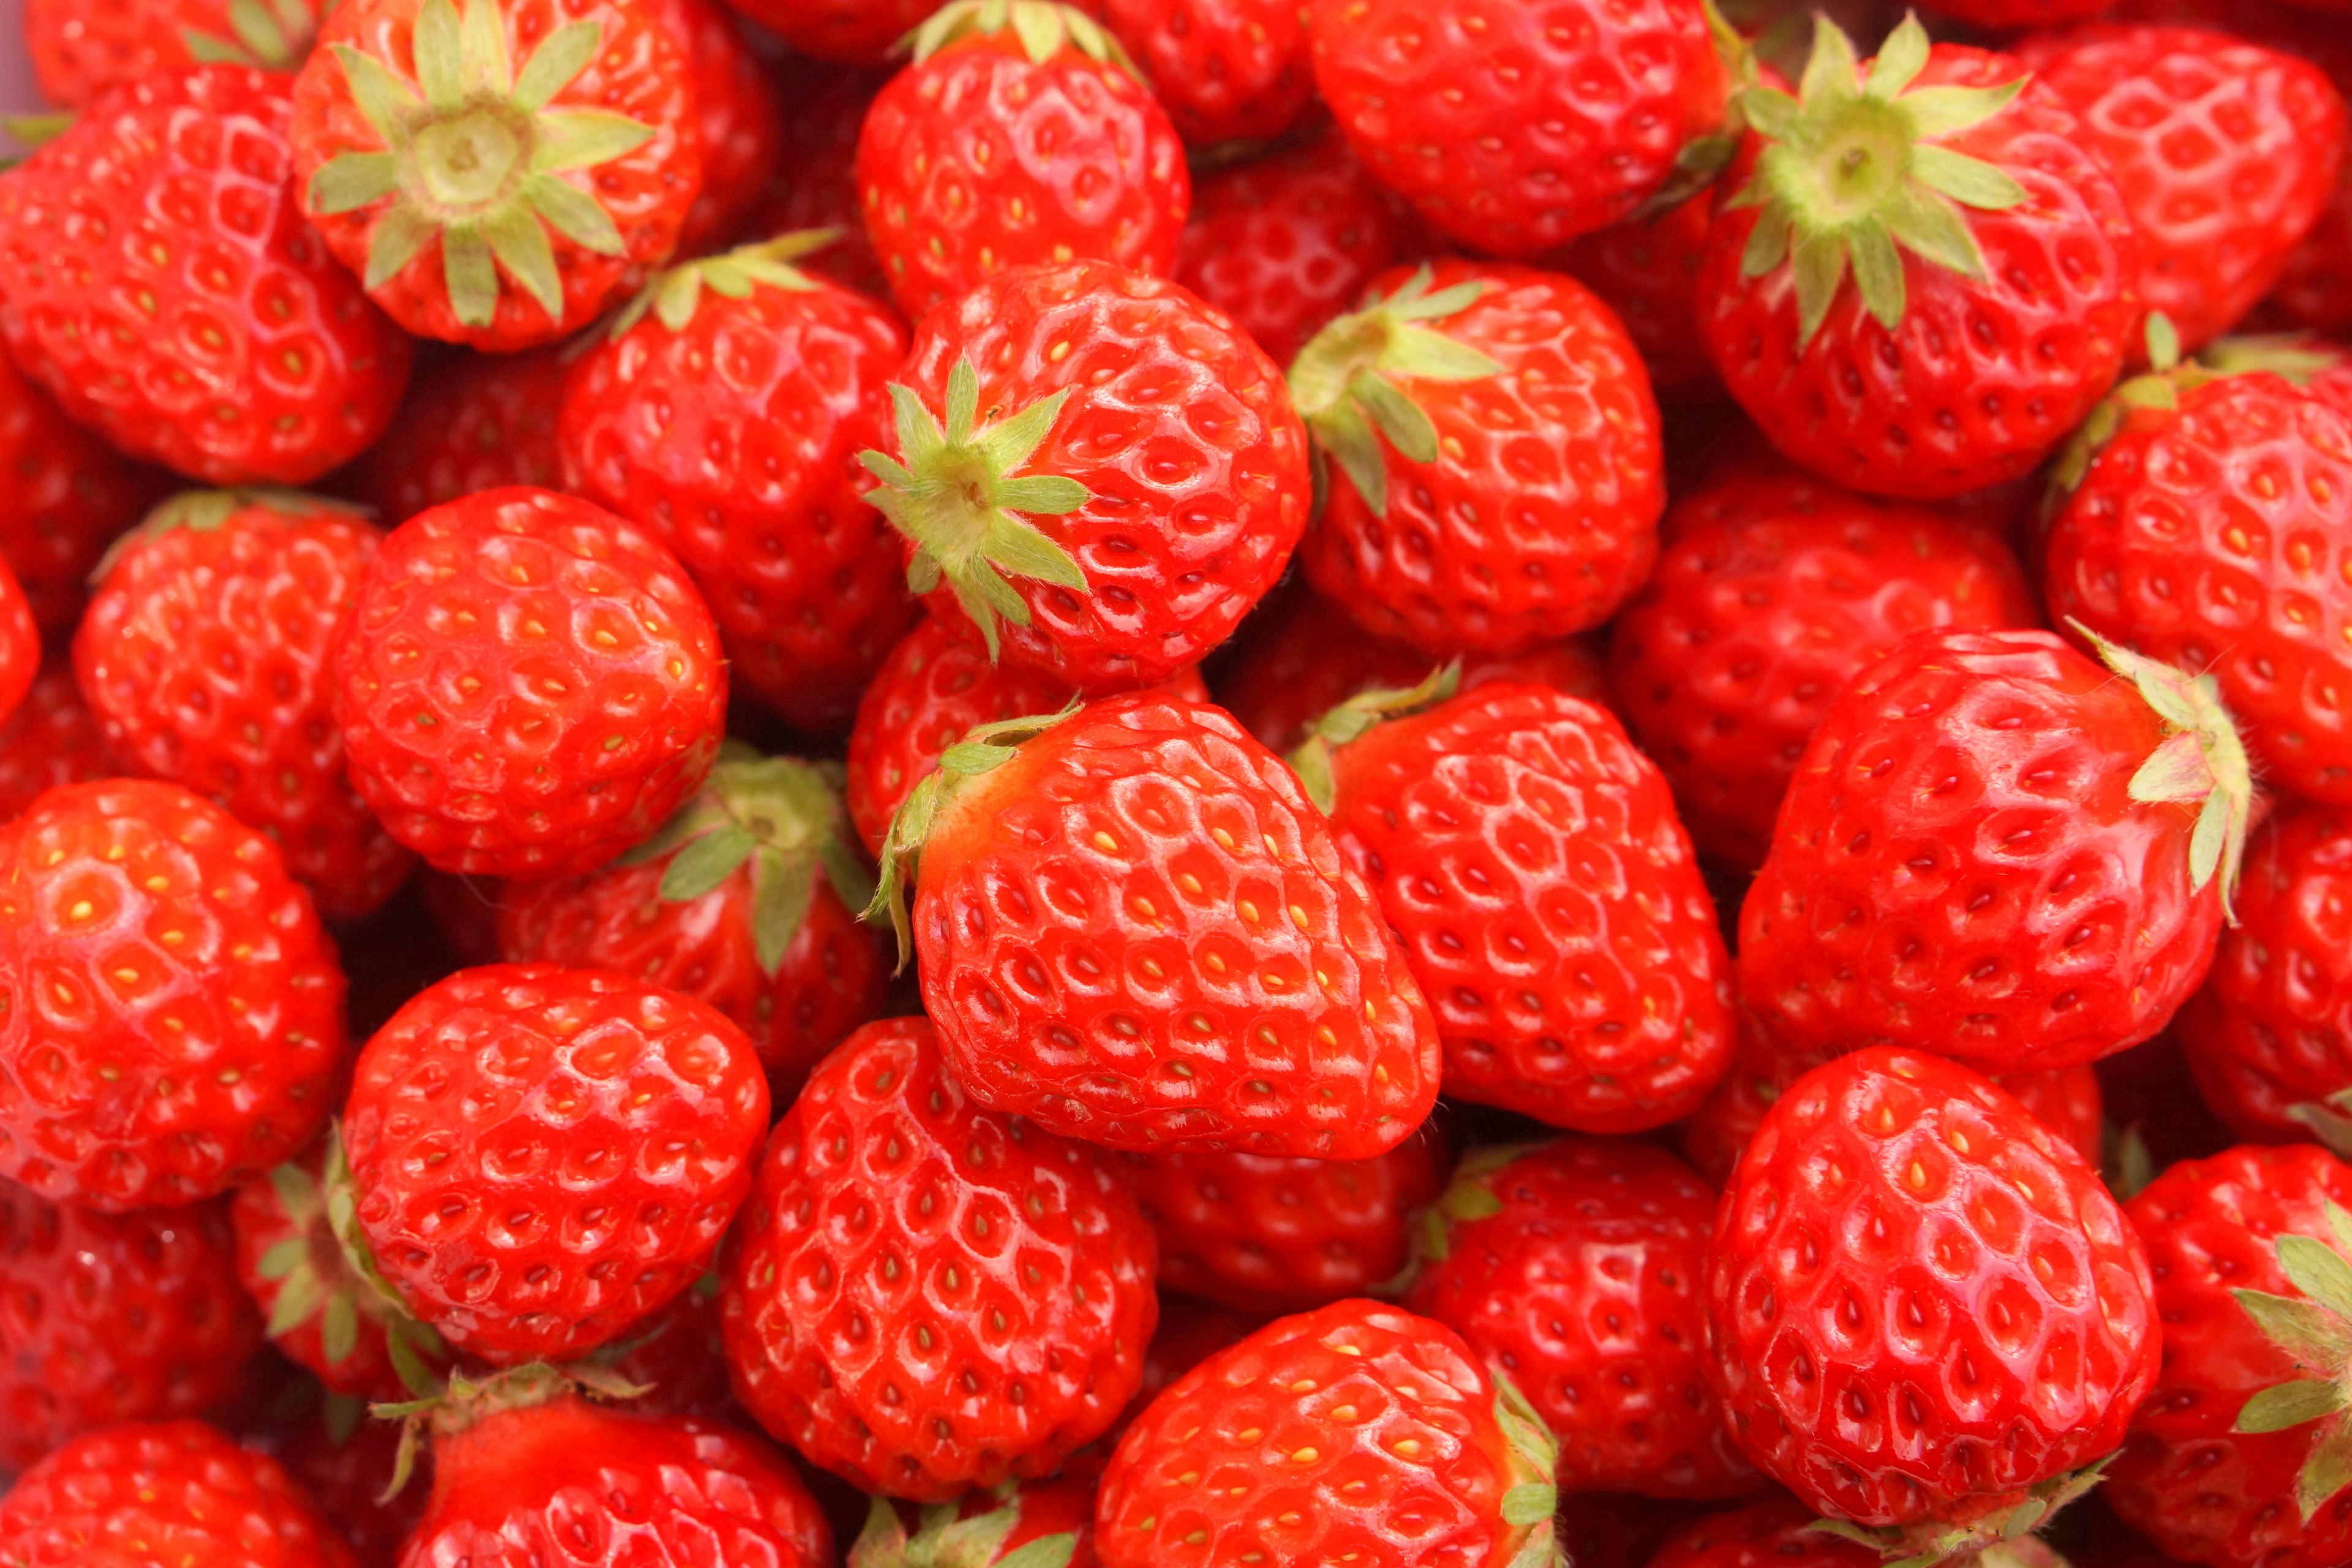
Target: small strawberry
{"points": [[498, 171], [824, 109], [1499, 468], [1646, 270], [1355, 1434], [844, 32], [678, 1356], [53, 740], [1778, 1533], [1189, 1332], [1225, 70], [527, 686], [65, 494], [959, 178], [1043, 1524], [541, 1157], [81, 47], [473, 422], [1095, 469], [874, 1313], [739, 116], [1136, 929], [160, 283], [724, 413]]}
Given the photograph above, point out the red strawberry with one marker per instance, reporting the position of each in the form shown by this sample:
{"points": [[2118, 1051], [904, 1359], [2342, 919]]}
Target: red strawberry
{"points": [[1995, 849], [64, 496], [2315, 288], [473, 422], [160, 283], [52, 740], [725, 412], [1646, 270], [1095, 469], [747, 901], [1225, 70], [1898, 1213], [541, 1157], [1356, 1433], [873, 1311], [1775, 590], [1136, 929], [344, 1461], [498, 171], [845, 31], [738, 121], [959, 176], [2016, 16], [181, 1011], [1050, 1522], [1514, 129], [1995, 267], [1577, 1269], [678, 1356], [816, 187], [527, 686], [1189, 1332], [1511, 493], [81, 47], [20, 645], [108, 1318], [1264, 1233], [1779, 1533]]}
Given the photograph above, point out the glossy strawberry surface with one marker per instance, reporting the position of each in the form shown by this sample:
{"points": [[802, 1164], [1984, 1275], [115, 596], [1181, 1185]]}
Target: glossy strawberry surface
{"points": [[472, 422], [81, 47], [1646, 270], [1223, 69], [65, 494], [53, 739]]}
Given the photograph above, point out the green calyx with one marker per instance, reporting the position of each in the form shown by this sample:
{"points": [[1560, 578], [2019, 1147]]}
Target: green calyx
{"points": [[1699, 161], [1533, 1499], [450, 1407], [781, 817], [2315, 1329], [957, 492], [274, 36], [208, 512], [673, 295], [1350, 379], [2330, 1120], [1469, 1195], [1044, 28], [1998, 1541], [1854, 173], [941, 1540], [1311, 759], [327, 1271], [474, 155]]}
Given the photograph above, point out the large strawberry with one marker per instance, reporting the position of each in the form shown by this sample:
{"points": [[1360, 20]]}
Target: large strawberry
{"points": [[53, 739], [1095, 471], [527, 686], [65, 494], [725, 412], [1136, 929], [1495, 453], [1926, 279], [958, 179], [1225, 70], [926, 1296], [497, 172], [81, 47], [160, 281], [472, 422]]}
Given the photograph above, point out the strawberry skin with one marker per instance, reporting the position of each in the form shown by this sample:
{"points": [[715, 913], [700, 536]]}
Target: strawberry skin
{"points": [[845, 31], [65, 494], [738, 121], [1779, 1533], [53, 740], [816, 187], [20, 646], [986, 1529], [871, 1313], [475, 422], [1225, 69], [1646, 270], [81, 47]]}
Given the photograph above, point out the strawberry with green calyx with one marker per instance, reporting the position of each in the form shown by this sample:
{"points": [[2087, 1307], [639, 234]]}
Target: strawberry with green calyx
{"points": [[2315, 1329], [80, 47], [1034, 1524], [1353, 717]]}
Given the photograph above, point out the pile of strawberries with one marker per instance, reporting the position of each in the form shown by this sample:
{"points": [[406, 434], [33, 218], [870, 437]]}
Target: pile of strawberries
{"points": [[1177, 783]]}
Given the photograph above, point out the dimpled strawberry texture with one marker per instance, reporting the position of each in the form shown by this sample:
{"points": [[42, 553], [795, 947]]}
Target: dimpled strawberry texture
{"points": [[476, 422], [1646, 270], [542, 1157], [173, 1010], [928, 1297], [1540, 516], [80, 47], [1922, 1301], [1141, 932], [64, 496], [52, 740], [1223, 69]]}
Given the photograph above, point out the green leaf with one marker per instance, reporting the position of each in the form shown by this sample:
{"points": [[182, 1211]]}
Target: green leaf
{"points": [[383, 101], [883, 1543], [2318, 1271], [781, 886], [2289, 1405], [297, 1192], [1045, 1552], [1039, 28], [299, 1296], [2314, 1337], [1050, 495], [574, 139], [1022, 551], [1767, 245], [2328, 1123], [1531, 1502], [573, 214], [206, 49], [921, 441], [2176, 770], [1426, 356], [440, 55], [399, 235], [1771, 112], [1938, 112], [2163, 341], [1348, 437], [2209, 841], [1398, 417], [259, 31], [1972, 181], [1011, 444], [519, 241], [846, 869], [1930, 226], [1818, 262], [703, 865], [557, 63], [483, 49], [1901, 57], [470, 274], [339, 1329], [282, 1257], [2325, 1471], [1877, 272], [354, 180], [963, 410]]}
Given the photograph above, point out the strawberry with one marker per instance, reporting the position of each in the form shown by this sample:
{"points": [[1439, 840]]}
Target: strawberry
{"points": [[540, 1157], [2314, 287], [1355, 1434], [1262, 1234], [1576, 1268], [2241, 1452], [738, 121], [527, 686], [844, 32], [20, 645], [678, 1356], [1043, 1522], [1778, 1533], [204, 656], [824, 109], [344, 1461], [160, 283], [1095, 471], [113, 1317], [1511, 493], [182, 1010], [52, 740], [724, 413], [2015, 16], [1995, 269], [1189, 1332], [1774, 591], [1136, 929], [1646, 270], [2044, 853], [1225, 70], [81, 47], [873, 1315], [498, 171], [1898, 1212], [476, 422], [747, 901], [65, 494], [958, 180], [1516, 129]]}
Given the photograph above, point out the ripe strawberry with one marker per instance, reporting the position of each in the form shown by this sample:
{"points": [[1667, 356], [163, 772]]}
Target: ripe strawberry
{"points": [[2315, 288], [1774, 591], [1118, 478], [2240, 1453], [844, 32], [1048, 1522], [1357, 1433], [1517, 128], [1225, 70], [180, 1013], [959, 178], [81, 47], [108, 1318], [1646, 270], [678, 1356], [1996, 849], [474, 422], [20, 645], [65, 494], [160, 283], [1778, 1533], [52, 740], [1898, 1212], [871, 1313], [746, 901], [1511, 494], [1264, 1007], [724, 413], [1189, 1332], [498, 171], [527, 686], [1576, 1270], [739, 116], [2016, 16], [1996, 269], [540, 1157], [1264, 1233], [343, 1462]]}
